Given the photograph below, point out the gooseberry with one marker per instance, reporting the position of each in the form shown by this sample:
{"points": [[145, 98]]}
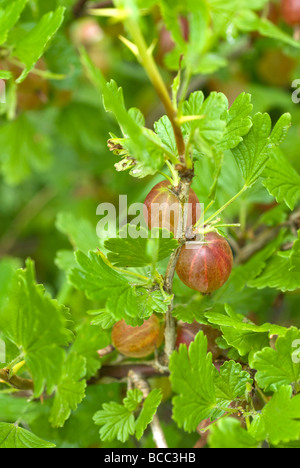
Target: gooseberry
{"points": [[291, 11], [137, 342], [163, 208], [205, 266]]}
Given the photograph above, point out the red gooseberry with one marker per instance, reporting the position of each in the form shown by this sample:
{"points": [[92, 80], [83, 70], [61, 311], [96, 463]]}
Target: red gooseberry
{"points": [[205, 266]]}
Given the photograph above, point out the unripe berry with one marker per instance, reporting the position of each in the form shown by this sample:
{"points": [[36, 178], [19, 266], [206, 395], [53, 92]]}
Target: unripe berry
{"points": [[205, 266], [291, 11], [137, 342], [163, 209]]}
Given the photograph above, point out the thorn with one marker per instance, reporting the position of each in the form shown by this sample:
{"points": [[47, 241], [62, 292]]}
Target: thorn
{"points": [[131, 46]]}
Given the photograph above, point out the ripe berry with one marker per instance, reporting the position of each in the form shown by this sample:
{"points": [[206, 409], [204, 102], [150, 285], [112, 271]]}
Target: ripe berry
{"points": [[86, 32], [33, 92], [186, 333], [163, 209], [291, 11], [205, 266], [140, 341], [166, 43]]}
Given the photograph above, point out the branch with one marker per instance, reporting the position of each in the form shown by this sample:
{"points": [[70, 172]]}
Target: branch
{"points": [[79, 8], [157, 432], [103, 4], [120, 372], [170, 324], [148, 62], [15, 381], [263, 239]]}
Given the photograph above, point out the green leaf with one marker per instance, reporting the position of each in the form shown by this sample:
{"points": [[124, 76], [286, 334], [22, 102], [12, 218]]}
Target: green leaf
{"points": [[70, 391], [193, 311], [241, 333], [211, 126], [238, 122], [282, 180], [32, 45], [149, 409], [192, 377], [227, 433], [9, 17], [12, 436], [140, 252], [96, 278], [295, 255], [139, 143], [164, 130], [247, 21], [280, 366], [103, 318], [87, 342], [101, 282], [133, 399], [231, 382], [225, 13], [117, 422], [279, 419], [37, 325], [193, 49], [272, 276], [242, 274], [254, 152]]}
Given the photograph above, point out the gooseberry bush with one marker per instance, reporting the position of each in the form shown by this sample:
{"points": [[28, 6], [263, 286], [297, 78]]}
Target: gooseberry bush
{"points": [[178, 328]]}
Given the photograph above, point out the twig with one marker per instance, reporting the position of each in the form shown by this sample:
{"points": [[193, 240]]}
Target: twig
{"points": [[260, 242], [170, 328], [103, 4], [105, 351], [170, 324], [266, 236], [157, 432], [79, 8], [15, 381], [120, 372], [158, 83]]}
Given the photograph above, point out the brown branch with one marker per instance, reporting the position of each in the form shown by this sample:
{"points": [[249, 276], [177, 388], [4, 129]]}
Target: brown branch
{"points": [[260, 242], [170, 323], [103, 4], [266, 236], [157, 432], [105, 351], [15, 381], [120, 372], [79, 8]]}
